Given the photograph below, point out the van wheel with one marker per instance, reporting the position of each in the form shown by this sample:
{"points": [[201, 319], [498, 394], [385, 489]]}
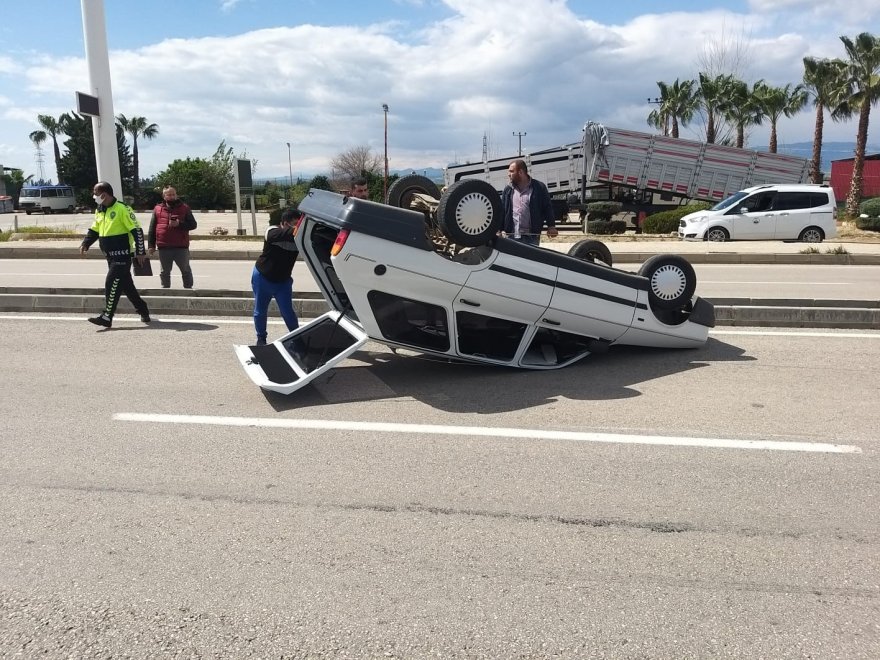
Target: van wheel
{"points": [[592, 251], [401, 191], [718, 234], [811, 235], [27, 211], [470, 212], [671, 281], [71, 209]]}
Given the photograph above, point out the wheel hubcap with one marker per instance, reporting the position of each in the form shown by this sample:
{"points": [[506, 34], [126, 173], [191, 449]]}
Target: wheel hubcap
{"points": [[668, 282], [473, 215]]}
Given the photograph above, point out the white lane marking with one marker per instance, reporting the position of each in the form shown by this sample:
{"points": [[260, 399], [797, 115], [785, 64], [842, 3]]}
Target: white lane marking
{"points": [[797, 333], [532, 434], [13, 316], [779, 283]]}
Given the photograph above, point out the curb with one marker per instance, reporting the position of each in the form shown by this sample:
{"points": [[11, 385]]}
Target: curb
{"points": [[815, 313]]}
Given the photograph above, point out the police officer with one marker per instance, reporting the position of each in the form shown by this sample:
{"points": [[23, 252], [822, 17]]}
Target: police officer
{"points": [[118, 234]]}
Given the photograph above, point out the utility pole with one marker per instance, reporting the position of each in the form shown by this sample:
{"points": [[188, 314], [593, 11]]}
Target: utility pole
{"points": [[520, 136], [289, 168], [658, 102], [385, 184]]}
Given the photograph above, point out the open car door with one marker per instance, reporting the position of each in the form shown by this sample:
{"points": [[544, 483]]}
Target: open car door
{"points": [[300, 356]]}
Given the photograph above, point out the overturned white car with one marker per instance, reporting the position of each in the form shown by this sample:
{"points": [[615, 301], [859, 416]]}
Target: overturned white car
{"points": [[440, 281]]}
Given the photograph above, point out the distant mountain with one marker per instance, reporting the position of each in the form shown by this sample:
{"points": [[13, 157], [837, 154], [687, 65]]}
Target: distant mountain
{"points": [[830, 151]]}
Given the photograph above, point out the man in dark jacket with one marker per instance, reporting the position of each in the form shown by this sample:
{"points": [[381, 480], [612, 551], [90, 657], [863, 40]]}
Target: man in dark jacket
{"points": [[170, 225], [273, 274], [119, 234], [527, 207]]}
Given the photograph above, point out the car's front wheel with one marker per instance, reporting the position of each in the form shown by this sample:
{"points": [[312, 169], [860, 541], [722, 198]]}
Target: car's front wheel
{"points": [[717, 234], [671, 281], [470, 212], [811, 235], [592, 251]]}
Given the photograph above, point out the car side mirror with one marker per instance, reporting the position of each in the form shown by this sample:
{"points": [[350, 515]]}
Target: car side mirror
{"points": [[743, 209], [863, 215]]}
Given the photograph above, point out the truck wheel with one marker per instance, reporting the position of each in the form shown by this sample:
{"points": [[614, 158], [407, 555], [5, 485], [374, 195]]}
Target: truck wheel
{"points": [[671, 281], [718, 234], [470, 212], [592, 251], [27, 211], [401, 191], [811, 235]]}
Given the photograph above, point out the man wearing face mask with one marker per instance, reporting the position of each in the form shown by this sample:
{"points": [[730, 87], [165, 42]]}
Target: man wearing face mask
{"points": [[170, 225], [119, 235]]}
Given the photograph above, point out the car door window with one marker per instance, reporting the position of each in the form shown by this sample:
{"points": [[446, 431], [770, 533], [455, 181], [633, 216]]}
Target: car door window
{"points": [[410, 322], [488, 336], [790, 201]]}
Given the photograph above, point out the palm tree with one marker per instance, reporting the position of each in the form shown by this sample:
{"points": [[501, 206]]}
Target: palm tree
{"points": [[743, 110], [863, 90], [678, 103], [713, 98], [38, 137], [778, 101], [824, 81], [54, 128], [137, 127]]}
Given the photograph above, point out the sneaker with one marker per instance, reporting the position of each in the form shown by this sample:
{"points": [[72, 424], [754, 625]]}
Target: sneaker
{"points": [[261, 341], [145, 318], [101, 320]]}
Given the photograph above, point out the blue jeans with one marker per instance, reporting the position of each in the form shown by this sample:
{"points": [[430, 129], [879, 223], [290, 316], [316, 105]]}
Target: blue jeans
{"points": [[264, 291]]}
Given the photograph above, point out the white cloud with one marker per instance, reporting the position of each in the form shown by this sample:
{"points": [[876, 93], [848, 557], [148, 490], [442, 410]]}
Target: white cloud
{"points": [[542, 69]]}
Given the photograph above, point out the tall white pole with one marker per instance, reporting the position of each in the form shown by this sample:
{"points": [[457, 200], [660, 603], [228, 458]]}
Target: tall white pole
{"points": [[104, 127]]}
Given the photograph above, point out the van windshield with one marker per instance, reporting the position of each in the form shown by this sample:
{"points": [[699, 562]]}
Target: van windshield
{"points": [[32, 192], [730, 201]]}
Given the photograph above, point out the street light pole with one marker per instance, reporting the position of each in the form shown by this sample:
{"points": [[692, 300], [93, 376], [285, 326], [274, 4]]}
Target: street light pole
{"points": [[385, 183], [520, 136], [290, 169]]}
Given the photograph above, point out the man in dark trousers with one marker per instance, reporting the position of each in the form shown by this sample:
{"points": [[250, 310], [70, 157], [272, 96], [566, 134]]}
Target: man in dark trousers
{"points": [[527, 207], [119, 235], [170, 225], [272, 276]]}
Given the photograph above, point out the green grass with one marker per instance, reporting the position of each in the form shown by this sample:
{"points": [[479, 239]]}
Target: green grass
{"points": [[5, 235], [837, 250], [809, 250]]}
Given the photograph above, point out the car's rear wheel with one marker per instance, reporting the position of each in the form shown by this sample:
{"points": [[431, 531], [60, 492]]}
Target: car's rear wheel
{"points": [[401, 191], [592, 251], [671, 281], [470, 213], [718, 234], [811, 235]]}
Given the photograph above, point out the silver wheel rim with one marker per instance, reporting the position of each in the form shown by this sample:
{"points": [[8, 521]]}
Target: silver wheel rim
{"points": [[473, 214], [717, 235], [812, 236], [668, 282]]}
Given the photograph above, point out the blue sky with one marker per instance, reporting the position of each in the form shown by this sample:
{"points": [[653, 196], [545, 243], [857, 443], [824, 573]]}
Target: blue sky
{"points": [[261, 73]]}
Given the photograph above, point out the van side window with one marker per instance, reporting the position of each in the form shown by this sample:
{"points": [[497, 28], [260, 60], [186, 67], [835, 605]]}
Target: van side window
{"points": [[789, 201], [818, 199], [759, 202]]}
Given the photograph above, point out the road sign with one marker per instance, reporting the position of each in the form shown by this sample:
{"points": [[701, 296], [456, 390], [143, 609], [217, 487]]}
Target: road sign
{"points": [[87, 105]]}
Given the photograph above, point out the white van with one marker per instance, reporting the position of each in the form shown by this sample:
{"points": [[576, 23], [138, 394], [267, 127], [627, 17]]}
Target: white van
{"points": [[48, 199], [791, 212]]}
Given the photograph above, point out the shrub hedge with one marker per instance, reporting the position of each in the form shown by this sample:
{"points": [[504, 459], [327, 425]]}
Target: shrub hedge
{"points": [[603, 210], [602, 227], [666, 222]]}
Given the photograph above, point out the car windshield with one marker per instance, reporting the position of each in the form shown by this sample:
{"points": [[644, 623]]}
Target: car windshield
{"points": [[33, 192], [730, 201]]}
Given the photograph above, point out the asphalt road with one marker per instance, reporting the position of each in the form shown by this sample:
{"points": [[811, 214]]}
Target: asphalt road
{"points": [[128, 532], [837, 282]]}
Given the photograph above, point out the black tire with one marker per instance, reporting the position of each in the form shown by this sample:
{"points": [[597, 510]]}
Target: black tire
{"points": [[71, 209], [592, 251], [671, 281], [401, 191], [469, 213], [718, 234], [811, 235], [27, 211]]}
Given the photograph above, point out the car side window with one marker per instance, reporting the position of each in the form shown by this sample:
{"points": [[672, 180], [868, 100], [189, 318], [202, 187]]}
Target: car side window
{"points": [[818, 199], [761, 201]]}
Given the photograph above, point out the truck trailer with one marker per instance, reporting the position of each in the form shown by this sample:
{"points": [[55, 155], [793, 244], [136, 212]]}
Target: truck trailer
{"points": [[632, 167]]}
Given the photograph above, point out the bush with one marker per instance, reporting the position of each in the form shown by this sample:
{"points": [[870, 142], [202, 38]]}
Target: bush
{"points": [[603, 210], [599, 227], [666, 222], [617, 226], [871, 208]]}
